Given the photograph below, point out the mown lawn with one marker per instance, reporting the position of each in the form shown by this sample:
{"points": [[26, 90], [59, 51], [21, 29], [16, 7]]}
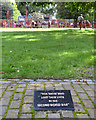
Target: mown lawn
{"points": [[54, 54]]}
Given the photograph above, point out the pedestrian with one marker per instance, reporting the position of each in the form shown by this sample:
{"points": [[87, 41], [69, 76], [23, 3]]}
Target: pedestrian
{"points": [[48, 24], [80, 19], [14, 24]]}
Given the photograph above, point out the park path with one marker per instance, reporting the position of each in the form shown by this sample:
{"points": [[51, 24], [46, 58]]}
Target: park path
{"points": [[16, 98], [34, 29]]}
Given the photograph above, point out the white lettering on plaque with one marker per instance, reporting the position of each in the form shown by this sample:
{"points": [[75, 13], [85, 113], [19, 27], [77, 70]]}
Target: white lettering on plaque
{"points": [[53, 100]]}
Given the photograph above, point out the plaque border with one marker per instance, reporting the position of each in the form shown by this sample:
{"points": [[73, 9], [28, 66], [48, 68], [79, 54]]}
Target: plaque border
{"points": [[38, 109]]}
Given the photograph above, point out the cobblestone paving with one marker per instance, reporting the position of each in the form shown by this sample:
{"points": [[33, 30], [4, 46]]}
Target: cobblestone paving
{"points": [[16, 98]]}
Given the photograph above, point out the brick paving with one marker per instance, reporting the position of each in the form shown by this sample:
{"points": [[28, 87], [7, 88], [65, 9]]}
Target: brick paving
{"points": [[16, 98]]}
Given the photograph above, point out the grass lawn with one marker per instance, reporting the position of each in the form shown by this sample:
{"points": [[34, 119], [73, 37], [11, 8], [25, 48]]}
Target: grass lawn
{"points": [[58, 54]]}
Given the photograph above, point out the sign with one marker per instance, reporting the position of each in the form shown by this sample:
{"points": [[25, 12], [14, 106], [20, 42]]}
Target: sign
{"points": [[46, 18], [52, 100]]}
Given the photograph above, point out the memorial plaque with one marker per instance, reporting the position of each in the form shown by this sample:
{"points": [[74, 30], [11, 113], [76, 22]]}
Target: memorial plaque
{"points": [[52, 100]]}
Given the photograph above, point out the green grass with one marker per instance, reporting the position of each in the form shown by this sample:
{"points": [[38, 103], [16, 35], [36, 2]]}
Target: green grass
{"points": [[54, 54]]}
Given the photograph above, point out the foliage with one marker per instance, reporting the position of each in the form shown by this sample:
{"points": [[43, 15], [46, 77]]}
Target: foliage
{"points": [[67, 53], [5, 6], [43, 7], [67, 10], [13, 11], [16, 12]]}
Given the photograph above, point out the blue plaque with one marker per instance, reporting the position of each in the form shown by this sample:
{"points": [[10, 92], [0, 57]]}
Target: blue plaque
{"points": [[52, 100]]}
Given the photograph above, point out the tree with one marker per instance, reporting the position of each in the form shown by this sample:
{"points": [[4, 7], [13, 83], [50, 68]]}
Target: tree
{"points": [[43, 7], [12, 8], [5, 6], [16, 12], [71, 10]]}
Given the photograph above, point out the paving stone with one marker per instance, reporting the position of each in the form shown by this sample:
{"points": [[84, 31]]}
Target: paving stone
{"points": [[3, 89], [41, 80], [49, 87], [4, 101], [40, 86], [26, 116], [78, 88], [66, 83], [88, 103], [90, 83], [28, 99], [67, 114], [22, 85], [89, 80], [73, 92], [86, 87], [7, 94], [0, 93], [12, 113], [40, 114], [75, 99], [92, 86], [2, 110], [49, 82], [90, 93], [94, 94], [27, 80], [66, 80], [11, 88], [0, 101], [93, 99], [78, 83], [4, 85], [82, 116], [21, 82], [78, 108], [83, 96], [19, 89], [1, 117], [18, 96], [15, 104], [5, 82], [68, 87], [91, 112], [13, 79], [54, 115], [26, 108], [62, 83], [33, 82], [29, 92], [59, 87], [30, 86]]}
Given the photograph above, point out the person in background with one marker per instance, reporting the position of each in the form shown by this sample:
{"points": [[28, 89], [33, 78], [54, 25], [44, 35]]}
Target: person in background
{"points": [[58, 24], [65, 24], [10, 24], [80, 19], [49, 24], [40, 24], [14, 24], [6, 24], [84, 24], [24, 24]]}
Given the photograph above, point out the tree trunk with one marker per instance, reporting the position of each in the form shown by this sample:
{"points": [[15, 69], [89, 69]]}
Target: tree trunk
{"points": [[75, 23]]}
